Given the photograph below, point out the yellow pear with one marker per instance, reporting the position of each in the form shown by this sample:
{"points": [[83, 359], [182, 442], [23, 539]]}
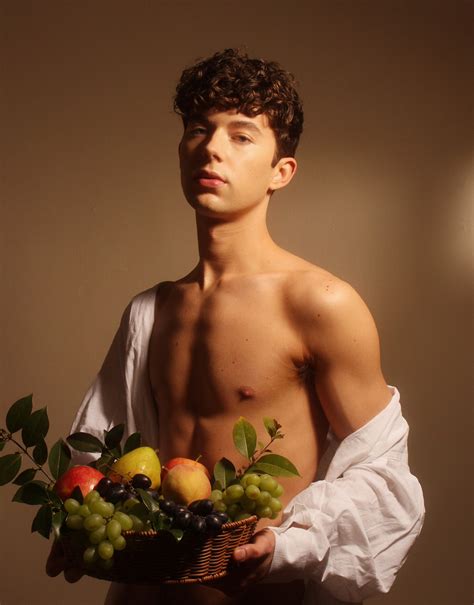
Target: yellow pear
{"points": [[140, 460]]}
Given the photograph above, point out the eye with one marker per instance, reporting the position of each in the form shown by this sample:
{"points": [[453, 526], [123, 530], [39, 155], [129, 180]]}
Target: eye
{"points": [[242, 138], [196, 130]]}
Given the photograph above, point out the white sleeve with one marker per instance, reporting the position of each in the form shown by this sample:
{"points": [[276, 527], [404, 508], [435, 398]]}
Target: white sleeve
{"points": [[121, 391], [351, 532]]}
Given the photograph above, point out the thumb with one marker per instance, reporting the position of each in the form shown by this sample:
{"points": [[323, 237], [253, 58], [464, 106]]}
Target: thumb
{"points": [[259, 547], [247, 552]]}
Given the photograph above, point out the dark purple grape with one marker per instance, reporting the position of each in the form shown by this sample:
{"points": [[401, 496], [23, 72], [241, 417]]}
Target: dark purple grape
{"points": [[213, 523], [116, 493], [167, 506], [198, 524], [141, 481], [183, 519], [103, 486], [224, 517], [201, 507]]}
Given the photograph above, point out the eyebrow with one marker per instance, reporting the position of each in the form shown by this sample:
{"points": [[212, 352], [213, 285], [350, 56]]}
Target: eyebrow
{"points": [[235, 123]]}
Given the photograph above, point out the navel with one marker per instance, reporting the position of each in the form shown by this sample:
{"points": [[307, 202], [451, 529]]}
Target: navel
{"points": [[246, 392]]}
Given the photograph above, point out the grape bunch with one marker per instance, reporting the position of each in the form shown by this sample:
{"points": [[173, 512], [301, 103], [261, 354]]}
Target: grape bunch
{"points": [[199, 516], [103, 522], [252, 494]]}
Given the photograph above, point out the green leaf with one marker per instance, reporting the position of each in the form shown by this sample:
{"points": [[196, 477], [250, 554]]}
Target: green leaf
{"points": [[132, 442], [33, 492], [58, 519], [160, 521], [84, 442], [40, 453], [177, 534], [59, 459], [42, 523], [9, 467], [224, 472], [2, 445], [25, 476], [114, 436], [35, 428], [151, 504], [277, 466], [19, 413], [245, 437], [77, 494], [270, 426], [103, 463]]}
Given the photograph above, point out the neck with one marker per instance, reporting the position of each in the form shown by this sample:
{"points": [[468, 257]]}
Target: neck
{"points": [[228, 248]]}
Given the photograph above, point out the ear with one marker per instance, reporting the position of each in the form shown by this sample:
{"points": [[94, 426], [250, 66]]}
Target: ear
{"points": [[283, 173]]}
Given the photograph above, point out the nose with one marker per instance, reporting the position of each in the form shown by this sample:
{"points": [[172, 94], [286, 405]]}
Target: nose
{"points": [[213, 144]]}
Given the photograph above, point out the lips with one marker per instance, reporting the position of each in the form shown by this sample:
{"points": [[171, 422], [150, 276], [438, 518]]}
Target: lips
{"points": [[209, 175]]}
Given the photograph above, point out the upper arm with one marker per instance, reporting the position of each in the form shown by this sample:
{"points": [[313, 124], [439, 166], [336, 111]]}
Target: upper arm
{"points": [[341, 337]]}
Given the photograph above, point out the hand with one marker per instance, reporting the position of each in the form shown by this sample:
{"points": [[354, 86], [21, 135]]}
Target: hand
{"points": [[251, 562], [58, 562]]}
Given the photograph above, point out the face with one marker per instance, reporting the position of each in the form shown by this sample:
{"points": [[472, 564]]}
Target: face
{"points": [[226, 163]]}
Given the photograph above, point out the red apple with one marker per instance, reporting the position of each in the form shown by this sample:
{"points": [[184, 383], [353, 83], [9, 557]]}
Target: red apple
{"points": [[85, 477], [175, 461]]}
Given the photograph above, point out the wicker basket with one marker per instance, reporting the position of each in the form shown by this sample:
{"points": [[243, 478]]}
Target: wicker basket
{"points": [[157, 558]]}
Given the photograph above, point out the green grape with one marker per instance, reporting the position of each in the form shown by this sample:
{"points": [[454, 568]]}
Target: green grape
{"points": [[247, 504], [98, 535], [242, 516], [106, 564], [235, 492], [268, 483], [84, 510], [252, 492], [252, 479], [90, 555], [216, 495], [105, 550], [125, 522], [264, 499], [220, 506], [114, 529], [263, 511], [91, 496], [233, 510], [278, 491], [72, 506], [275, 505], [119, 543], [138, 524], [130, 503], [93, 522], [74, 521], [274, 515], [101, 507]]}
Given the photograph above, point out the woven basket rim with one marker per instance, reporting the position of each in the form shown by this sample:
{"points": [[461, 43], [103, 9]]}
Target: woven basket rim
{"points": [[151, 533]]}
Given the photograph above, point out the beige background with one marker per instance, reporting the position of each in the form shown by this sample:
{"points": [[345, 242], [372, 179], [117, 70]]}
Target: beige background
{"points": [[92, 213]]}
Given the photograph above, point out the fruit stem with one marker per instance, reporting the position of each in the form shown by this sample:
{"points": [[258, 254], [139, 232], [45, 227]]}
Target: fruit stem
{"points": [[39, 467], [257, 455]]}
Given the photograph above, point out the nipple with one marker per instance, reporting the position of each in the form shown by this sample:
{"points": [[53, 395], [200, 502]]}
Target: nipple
{"points": [[246, 392]]}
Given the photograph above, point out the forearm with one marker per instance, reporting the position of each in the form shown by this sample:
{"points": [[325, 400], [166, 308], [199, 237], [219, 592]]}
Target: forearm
{"points": [[352, 531]]}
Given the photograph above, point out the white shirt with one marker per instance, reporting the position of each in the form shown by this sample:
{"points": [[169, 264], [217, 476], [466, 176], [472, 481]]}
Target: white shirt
{"points": [[347, 534]]}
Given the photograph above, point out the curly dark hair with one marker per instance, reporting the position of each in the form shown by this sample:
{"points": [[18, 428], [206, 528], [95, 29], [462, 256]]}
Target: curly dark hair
{"points": [[229, 79]]}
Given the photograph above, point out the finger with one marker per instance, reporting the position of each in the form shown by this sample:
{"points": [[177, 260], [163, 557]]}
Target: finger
{"points": [[261, 545]]}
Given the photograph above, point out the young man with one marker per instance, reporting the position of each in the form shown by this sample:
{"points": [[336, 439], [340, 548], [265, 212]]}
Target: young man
{"points": [[253, 330]]}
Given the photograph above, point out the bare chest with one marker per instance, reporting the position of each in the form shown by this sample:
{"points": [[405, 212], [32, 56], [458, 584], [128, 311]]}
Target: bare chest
{"points": [[208, 356]]}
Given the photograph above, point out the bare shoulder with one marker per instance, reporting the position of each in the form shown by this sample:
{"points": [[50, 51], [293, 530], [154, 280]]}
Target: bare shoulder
{"points": [[328, 310]]}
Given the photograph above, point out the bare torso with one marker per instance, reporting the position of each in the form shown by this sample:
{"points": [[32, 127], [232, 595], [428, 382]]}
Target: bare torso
{"points": [[235, 350]]}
